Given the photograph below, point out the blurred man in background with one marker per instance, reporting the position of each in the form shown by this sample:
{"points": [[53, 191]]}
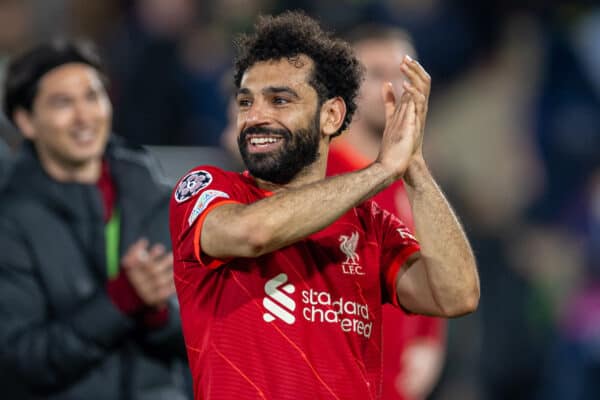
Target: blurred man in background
{"points": [[86, 281], [413, 345]]}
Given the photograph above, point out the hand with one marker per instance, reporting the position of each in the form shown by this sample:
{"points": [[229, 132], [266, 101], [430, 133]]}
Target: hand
{"points": [[150, 272], [402, 139]]}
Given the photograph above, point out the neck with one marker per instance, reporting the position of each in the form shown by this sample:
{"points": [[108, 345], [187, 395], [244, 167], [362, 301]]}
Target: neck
{"points": [[87, 173], [363, 138]]}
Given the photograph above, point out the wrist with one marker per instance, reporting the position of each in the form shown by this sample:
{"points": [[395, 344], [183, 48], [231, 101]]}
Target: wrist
{"points": [[417, 173], [124, 296], [384, 174]]}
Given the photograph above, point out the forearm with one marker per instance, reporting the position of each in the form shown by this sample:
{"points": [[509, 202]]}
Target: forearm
{"points": [[449, 263], [290, 215]]}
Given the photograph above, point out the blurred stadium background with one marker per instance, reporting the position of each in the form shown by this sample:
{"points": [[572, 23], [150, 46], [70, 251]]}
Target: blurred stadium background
{"points": [[513, 137]]}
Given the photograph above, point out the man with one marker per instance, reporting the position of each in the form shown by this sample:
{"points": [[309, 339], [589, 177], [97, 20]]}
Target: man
{"points": [[414, 345], [281, 273], [86, 291]]}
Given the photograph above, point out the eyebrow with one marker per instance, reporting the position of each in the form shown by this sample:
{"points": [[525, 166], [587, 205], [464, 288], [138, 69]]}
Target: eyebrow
{"points": [[271, 90]]}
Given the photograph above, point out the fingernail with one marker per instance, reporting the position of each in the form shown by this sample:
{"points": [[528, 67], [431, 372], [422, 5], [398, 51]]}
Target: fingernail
{"points": [[408, 57]]}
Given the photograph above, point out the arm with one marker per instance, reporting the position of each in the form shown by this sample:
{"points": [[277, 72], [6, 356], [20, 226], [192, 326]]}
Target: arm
{"points": [[236, 230], [442, 280]]}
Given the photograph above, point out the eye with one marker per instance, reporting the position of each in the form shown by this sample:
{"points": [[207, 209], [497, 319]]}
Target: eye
{"points": [[277, 100], [60, 101], [92, 95], [244, 103]]}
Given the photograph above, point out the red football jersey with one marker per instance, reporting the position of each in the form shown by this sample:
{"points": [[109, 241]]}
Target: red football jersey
{"points": [[303, 322], [343, 158], [399, 328]]}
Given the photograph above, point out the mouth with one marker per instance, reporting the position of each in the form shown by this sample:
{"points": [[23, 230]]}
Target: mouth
{"points": [[263, 143], [83, 137]]}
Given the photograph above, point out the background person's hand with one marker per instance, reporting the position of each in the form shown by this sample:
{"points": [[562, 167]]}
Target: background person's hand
{"points": [[150, 272]]}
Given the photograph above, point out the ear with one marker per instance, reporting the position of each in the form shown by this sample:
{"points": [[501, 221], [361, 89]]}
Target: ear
{"points": [[333, 112], [24, 122]]}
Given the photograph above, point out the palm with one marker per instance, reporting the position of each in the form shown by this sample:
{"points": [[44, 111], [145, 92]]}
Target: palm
{"points": [[405, 119]]}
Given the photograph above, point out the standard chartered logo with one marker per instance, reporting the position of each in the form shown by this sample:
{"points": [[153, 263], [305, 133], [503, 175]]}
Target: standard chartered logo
{"points": [[278, 303], [316, 307]]}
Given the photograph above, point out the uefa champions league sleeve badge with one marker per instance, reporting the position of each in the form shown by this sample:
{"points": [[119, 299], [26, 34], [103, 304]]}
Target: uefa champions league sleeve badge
{"points": [[191, 184]]}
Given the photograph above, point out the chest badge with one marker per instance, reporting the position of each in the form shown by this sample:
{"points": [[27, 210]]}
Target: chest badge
{"points": [[348, 247]]}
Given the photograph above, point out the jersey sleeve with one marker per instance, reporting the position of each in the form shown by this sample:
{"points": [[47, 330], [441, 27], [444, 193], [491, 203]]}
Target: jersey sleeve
{"points": [[397, 244], [196, 194]]}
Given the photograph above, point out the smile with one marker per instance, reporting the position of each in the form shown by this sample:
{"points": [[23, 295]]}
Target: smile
{"points": [[263, 143], [261, 140]]}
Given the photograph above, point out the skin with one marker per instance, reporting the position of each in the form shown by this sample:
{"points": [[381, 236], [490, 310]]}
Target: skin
{"points": [[442, 280], [69, 124]]}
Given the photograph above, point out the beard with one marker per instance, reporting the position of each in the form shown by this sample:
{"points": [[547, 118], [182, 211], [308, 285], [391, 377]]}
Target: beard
{"points": [[298, 150]]}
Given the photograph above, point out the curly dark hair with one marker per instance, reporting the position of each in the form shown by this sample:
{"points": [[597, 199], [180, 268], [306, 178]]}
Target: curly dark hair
{"points": [[337, 71]]}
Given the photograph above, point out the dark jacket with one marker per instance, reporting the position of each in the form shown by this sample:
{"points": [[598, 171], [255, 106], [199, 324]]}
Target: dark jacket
{"points": [[61, 337], [5, 159]]}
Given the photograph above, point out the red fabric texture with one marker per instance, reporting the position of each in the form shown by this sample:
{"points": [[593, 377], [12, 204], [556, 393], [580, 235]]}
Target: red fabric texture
{"points": [[108, 191], [273, 326]]}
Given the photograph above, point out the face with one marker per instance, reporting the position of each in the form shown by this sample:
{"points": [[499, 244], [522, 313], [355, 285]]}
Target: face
{"points": [[70, 118], [382, 60], [278, 120]]}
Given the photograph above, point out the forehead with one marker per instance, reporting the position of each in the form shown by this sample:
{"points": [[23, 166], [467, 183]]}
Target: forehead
{"points": [[383, 52], [294, 73], [69, 77]]}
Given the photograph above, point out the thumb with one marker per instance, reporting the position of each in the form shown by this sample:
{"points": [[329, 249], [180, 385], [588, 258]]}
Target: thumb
{"points": [[132, 255], [389, 99]]}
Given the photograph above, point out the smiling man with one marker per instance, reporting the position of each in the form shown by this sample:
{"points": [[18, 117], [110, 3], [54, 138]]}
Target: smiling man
{"points": [[281, 273], [86, 280]]}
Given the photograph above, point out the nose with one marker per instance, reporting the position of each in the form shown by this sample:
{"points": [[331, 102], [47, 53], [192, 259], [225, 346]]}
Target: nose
{"points": [[82, 111], [255, 115]]}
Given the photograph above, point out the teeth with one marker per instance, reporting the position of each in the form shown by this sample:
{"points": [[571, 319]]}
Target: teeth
{"points": [[257, 141], [84, 135]]}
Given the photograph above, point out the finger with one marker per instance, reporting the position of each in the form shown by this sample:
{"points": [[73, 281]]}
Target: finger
{"points": [[164, 288], [132, 255], [419, 69], [142, 249], [410, 117], [164, 281], [389, 99], [159, 271], [395, 121], [157, 251], [164, 263], [418, 97], [404, 100], [416, 74]]}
